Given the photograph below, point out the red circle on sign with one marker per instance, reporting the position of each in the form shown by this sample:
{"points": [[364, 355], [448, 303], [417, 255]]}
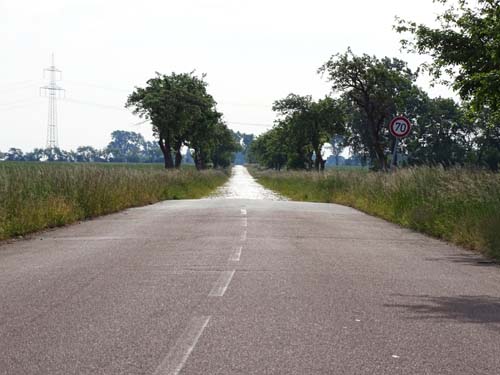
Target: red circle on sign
{"points": [[400, 127]]}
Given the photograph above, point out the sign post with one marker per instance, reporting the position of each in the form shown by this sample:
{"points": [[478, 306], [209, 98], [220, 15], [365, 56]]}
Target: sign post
{"points": [[399, 127]]}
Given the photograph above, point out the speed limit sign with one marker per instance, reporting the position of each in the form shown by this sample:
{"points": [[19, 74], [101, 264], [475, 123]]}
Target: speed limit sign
{"points": [[400, 127]]}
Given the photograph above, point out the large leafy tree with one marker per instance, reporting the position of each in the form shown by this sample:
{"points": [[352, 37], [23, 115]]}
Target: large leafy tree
{"points": [[377, 88], [173, 103], [271, 148], [224, 146], [200, 137], [441, 135], [88, 154], [465, 51], [310, 125], [126, 146], [464, 47]]}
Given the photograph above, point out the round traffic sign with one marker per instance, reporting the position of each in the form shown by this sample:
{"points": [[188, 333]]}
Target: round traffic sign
{"points": [[400, 127]]}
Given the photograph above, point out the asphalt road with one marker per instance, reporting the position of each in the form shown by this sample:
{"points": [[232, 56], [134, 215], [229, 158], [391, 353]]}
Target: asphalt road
{"points": [[239, 286]]}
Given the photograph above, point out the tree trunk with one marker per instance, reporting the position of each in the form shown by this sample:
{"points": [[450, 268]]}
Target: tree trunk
{"points": [[198, 160], [167, 156], [178, 155], [381, 161], [309, 161], [178, 159], [319, 163]]}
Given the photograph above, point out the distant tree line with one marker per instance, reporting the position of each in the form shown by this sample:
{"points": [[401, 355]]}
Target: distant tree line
{"points": [[368, 91], [125, 147]]}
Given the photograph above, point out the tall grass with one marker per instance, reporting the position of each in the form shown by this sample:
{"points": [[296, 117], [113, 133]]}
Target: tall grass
{"points": [[458, 205], [35, 196]]}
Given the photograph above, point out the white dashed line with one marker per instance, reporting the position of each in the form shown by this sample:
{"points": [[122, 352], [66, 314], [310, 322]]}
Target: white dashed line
{"points": [[235, 256], [243, 211], [244, 235], [221, 284], [245, 222], [179, 354]]}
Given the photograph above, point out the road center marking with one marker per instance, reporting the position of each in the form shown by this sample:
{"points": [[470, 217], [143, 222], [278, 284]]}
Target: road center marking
{"points": [[244, 235], [243, 211], [176, 358], [221, 284], [245, 222], [235, 256]]}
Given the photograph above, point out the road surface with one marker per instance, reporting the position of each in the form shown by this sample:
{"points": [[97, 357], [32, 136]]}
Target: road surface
{"points": [[245, 286]]}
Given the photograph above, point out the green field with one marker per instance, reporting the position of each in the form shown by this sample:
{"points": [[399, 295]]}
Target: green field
{"points": [[35, 196], [458, 205]]}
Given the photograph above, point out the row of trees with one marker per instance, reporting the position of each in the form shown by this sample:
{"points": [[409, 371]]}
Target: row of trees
{"points": [[368, 92], [184, 114], [125, 146]]}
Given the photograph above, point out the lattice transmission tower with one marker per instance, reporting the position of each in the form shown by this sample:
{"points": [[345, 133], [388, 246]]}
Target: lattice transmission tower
{"points": [[53, 91]]}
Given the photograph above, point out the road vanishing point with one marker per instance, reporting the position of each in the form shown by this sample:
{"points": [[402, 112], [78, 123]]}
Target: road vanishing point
{"points": [[231, 285]]}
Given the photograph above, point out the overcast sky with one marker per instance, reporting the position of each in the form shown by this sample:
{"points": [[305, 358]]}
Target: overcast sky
{"points": [[254, 52]]}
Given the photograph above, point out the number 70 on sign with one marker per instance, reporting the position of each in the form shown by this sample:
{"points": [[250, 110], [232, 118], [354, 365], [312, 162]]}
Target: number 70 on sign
{"points": [[400, 127]]}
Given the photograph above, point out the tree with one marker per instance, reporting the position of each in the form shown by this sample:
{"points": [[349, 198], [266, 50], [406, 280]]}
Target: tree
{"points": [[126, 146], [441, 135], [152, 153], [88, 154], [173, 104], [338, 145], [465, 47], [200, 137], [14, 154], [486, 125], [224, 146], [271, 148], [310, 124], [377, 88]]}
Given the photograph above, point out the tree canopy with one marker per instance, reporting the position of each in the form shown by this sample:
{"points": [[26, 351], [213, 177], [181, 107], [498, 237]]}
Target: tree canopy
{"points": [[377, 89], [183, 113], [302, 128], [465, 47], [465, 52]]}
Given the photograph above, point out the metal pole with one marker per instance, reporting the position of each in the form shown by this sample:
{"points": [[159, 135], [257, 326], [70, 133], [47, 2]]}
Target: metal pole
{"points": [[394, 154]]}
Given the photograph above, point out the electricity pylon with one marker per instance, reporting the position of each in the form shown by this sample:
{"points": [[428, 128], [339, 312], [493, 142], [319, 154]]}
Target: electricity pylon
{"points": [[53, 92]]}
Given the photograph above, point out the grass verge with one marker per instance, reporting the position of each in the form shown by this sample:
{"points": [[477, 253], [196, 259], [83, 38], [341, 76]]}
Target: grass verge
{"points": [[459, 205], [35, 196]]}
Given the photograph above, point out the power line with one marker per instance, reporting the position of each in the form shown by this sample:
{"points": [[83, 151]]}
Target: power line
{"points": [[21, 104], [30, 86], [18, 85], [21, 101], [93, 104], [98, 86]]}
